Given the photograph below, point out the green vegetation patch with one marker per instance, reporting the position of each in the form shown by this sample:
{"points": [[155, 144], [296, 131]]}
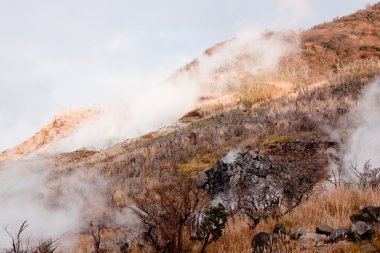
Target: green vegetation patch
{"points": [[278, 139], [197, 164]]}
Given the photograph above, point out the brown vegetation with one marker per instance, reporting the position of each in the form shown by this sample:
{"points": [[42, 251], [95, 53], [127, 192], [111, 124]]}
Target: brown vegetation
{"points": [[352, 37], [155, 174], [168, 212], [332, 207]]}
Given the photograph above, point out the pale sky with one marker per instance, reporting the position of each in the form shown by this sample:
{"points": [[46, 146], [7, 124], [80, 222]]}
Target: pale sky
{"points": [[55, 55]]}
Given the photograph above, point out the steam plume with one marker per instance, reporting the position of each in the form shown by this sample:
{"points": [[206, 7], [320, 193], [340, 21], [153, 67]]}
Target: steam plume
{"points": [[364, 141]]}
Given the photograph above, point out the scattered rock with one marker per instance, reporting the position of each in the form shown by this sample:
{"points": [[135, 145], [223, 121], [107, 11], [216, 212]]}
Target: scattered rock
{"points": [[369, 215], [299, 232], [339, 234], [361, 231], [310, 240], [324, 230]]}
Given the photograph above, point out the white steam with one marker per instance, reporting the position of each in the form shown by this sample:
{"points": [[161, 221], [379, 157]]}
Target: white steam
{"points": [[364, 141], [163, 103], [57, 203], [231, 156], [54, 205]]}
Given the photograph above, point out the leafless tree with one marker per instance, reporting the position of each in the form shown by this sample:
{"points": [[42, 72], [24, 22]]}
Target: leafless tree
{"points": [[168, 211], [17, 242], [258, 204], [96, 231], [369, 177]]}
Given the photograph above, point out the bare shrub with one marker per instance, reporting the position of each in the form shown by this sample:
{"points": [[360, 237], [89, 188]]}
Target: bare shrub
{"points": [[46, 246], [369, 177], [296, 185], [18, 245], [278, 196], [258, 204], [168, 212], [96, 231]]}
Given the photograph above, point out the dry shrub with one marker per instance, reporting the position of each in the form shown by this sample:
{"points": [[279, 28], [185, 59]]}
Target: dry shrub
{"points": [[332, 207], [369, 177], [168, 212]]}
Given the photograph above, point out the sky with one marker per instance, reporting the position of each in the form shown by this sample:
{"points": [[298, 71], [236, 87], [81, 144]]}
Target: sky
{"points": [[56, 55]]}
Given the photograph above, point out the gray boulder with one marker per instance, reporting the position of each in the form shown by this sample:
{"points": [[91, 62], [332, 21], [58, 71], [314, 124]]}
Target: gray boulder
{"points": [[299, 232], [246, 170], [310, 240], [324, 229], [369, 215], [339, 234], [361, 231]]}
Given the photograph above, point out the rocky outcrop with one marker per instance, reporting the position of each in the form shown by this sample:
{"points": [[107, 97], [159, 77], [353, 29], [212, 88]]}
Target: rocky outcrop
{"points": [[241, 169]]}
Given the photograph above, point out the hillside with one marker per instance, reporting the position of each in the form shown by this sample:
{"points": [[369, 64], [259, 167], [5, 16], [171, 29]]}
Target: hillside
{"points": [[352, 37], [270, 147], [62, 125], [324, 48]]}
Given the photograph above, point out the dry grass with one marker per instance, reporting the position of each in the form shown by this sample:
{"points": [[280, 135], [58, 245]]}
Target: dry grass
{"points": [[278, 139], [356, 36], [332, 207], [197, 164]]}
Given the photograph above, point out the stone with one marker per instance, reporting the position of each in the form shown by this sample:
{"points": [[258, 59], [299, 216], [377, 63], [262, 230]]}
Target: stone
{"points": [[324, 229], [201, 179], [338, 234], [310, 240], [370, 215], [246, 170], [361, 231], [299, 232]]}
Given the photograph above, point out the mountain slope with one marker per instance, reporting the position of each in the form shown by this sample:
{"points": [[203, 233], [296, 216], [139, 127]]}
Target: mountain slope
{"points": [[355, 36], [323, 48], [61, 126], [297, 115]]}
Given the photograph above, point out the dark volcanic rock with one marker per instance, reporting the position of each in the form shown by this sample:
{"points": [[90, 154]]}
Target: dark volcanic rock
{"points": [[369, 215], [310, 240], [339, 234], [324, 230], [296, 235], [246, 170], [361, 231]]}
